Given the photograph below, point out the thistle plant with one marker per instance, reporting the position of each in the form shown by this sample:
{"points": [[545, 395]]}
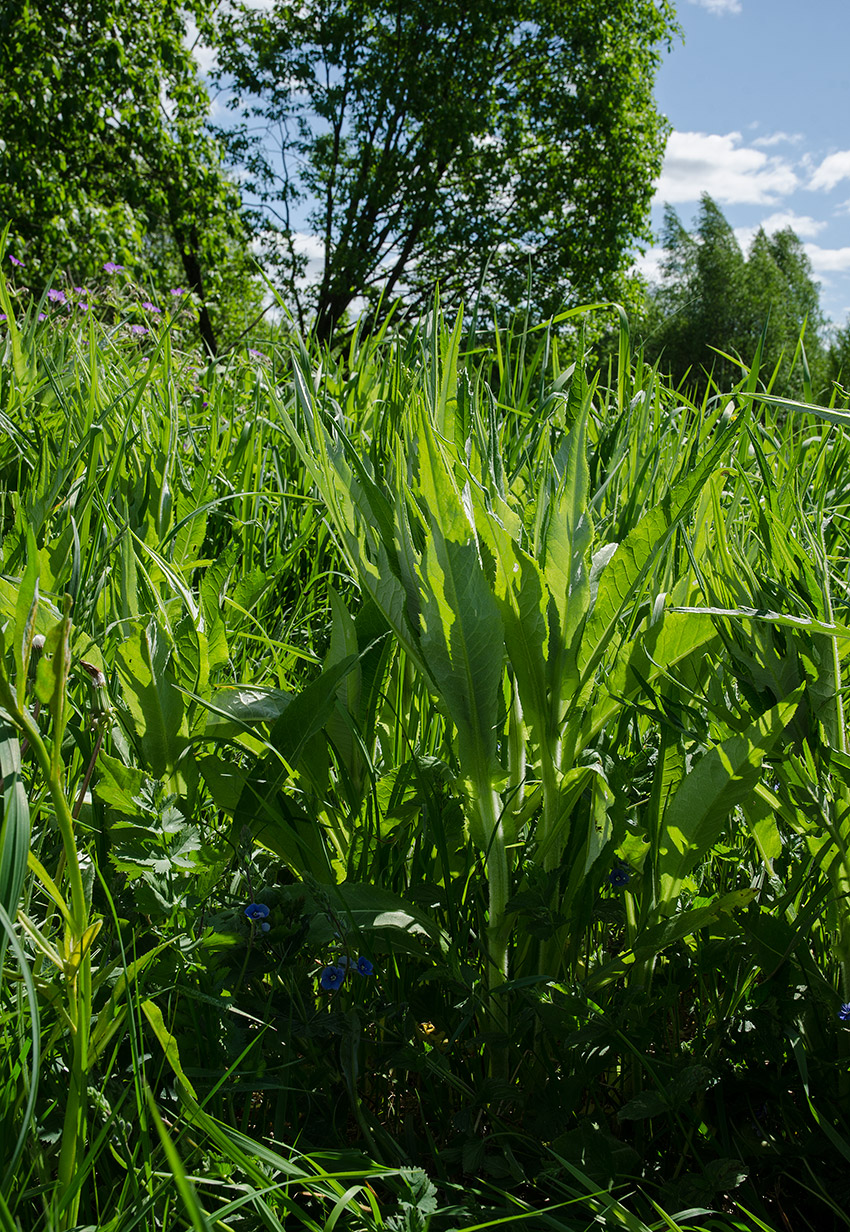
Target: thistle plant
{"points": [[509, 607]]}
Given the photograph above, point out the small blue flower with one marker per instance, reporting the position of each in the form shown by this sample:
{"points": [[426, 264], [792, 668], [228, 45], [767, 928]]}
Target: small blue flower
{"points": [[361, 965], [332, 977], [256, 913], [620, 874], [844, 1012]]}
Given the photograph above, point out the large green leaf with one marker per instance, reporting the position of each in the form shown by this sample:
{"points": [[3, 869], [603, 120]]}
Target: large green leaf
{"points": [[308, 711], [268, 803], [154, 702], [118, 785], [355, 909], [656, 939], [668, 641], [338, 727], [15, 827], [244, 706], [722, 778], [225, 781], [279, 824], [462, 638], [566, 548], [524, 601], [624, 573]]}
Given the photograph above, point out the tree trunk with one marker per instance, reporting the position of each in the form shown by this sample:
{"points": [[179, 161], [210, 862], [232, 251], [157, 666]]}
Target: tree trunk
{"points": [[194, 276], [329, 312]]}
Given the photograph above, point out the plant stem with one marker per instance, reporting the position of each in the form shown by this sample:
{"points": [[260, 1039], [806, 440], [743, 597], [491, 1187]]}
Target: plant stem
{"points": [[488, 805]]}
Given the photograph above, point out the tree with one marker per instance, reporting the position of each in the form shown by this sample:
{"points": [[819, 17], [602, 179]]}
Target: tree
{"points": [[104, 153], [453, 141], [712, 298], [838, 360]]}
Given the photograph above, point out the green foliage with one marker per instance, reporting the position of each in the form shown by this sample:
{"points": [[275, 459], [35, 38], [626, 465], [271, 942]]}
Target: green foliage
{"points": [[457, 142], [839, 356], [713, 306], [434, 802], [105, 155]]}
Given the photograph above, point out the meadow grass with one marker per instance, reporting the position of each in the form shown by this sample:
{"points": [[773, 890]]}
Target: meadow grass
{"points": [[424, 786]]}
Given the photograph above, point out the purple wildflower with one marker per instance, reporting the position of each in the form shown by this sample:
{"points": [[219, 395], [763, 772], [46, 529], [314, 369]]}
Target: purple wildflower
{"points": [[58, 297], [844, 1013], [79, 290], [111, 268], [177, 291], [82, 307], [257, 354], [149, 307], [42, 316], [15, 260], [138, 329], [3, 316], [331, 978]]}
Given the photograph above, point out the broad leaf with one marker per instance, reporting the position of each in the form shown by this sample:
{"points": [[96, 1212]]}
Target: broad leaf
{"points": [[722, 778]]}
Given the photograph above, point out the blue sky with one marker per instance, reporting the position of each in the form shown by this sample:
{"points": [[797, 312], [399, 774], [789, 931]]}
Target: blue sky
{"points": [[759, 101]]}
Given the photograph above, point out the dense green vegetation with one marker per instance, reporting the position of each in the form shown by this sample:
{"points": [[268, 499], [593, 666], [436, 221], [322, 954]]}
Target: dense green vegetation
{"points": [[423, 753], [106, 155], [714, 306], [424, 786]]}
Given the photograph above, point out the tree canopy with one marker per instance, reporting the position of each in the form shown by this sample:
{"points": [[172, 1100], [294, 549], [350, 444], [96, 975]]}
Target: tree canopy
{"points": [[104, 150], [454, 141], [713, 298]]}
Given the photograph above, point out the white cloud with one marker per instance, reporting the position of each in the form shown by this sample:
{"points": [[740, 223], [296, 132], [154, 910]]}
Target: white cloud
{"points": [[778, 139], [313, 248], [309, 246], [744, 236], [802, 224], [719, 165], [718, 6], [828, 260], [833, 169], [649, 264]]}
